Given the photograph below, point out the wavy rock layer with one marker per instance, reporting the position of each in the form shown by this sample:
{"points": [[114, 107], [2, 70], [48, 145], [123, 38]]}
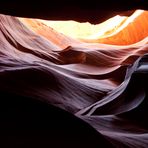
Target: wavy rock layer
{"points": [[104, 85]]}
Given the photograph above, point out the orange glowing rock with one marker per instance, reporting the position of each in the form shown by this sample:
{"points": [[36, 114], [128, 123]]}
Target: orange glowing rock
{"points": [[119, 30], [134, 29]]}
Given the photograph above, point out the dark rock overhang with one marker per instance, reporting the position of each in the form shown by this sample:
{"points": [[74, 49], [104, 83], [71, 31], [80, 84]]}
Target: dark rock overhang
{"points": [[94, 11]]}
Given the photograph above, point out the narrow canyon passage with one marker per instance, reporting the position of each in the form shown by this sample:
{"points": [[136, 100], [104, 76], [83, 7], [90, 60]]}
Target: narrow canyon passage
{"points": [[94, 73]]}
